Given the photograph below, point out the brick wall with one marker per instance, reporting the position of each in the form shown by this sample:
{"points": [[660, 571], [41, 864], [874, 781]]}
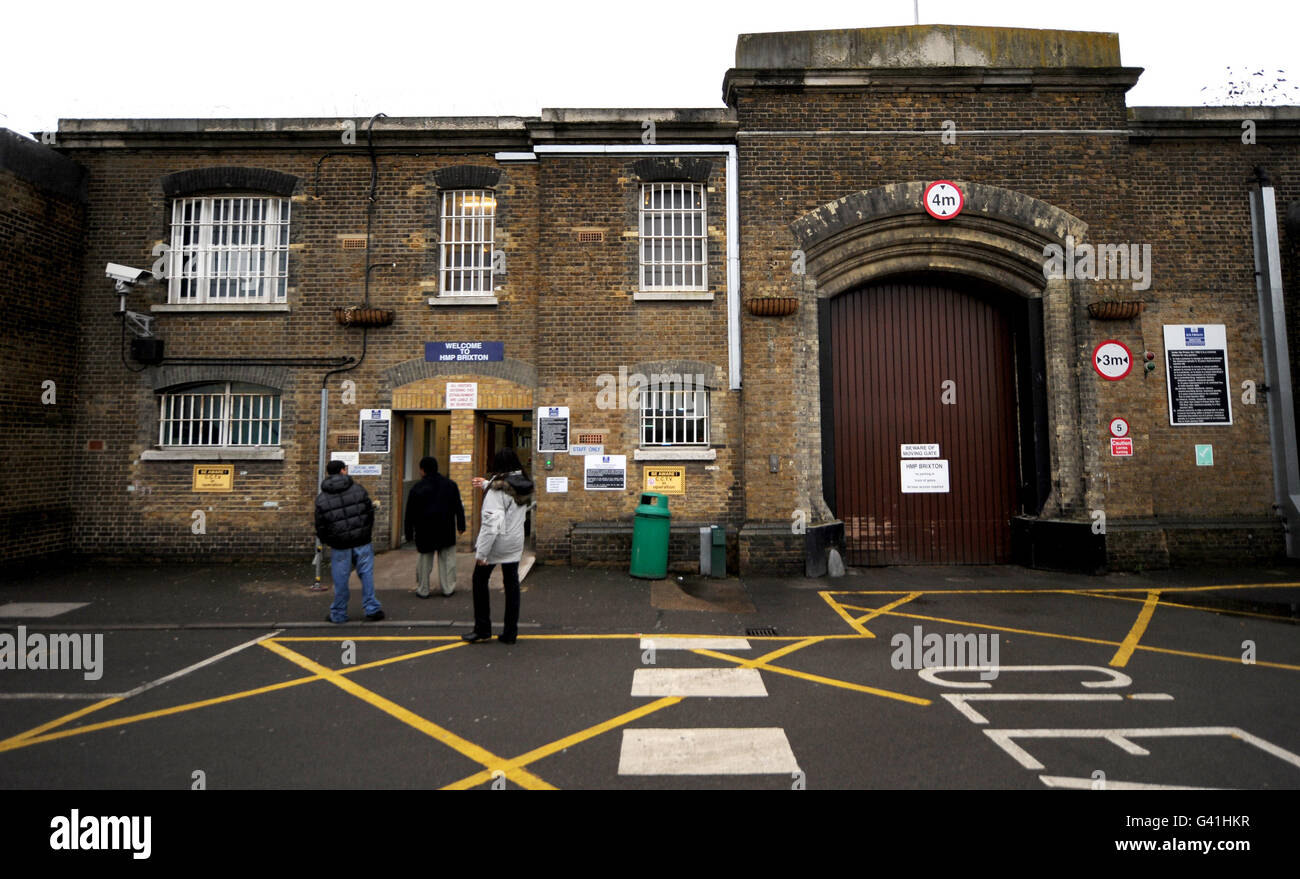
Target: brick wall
{"points": [[41, 228], [565, 312]]}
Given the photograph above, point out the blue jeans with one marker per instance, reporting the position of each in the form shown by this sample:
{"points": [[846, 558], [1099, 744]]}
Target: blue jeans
{"points": [[341, 561]]}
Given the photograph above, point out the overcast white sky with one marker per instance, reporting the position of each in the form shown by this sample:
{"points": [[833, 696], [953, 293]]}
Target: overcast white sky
{"points": [[140, 58]]}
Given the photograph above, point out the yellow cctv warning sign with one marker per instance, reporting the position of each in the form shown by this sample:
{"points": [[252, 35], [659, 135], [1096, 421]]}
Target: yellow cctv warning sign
{"points": [[666, 480], [214, 477]]}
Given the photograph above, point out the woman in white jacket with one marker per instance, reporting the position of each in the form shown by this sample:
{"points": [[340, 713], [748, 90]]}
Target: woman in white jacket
{"points": [[506, 504]]}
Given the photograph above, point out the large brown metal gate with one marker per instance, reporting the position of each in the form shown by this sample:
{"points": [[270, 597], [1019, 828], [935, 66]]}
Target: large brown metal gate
{"points": [[899, 350]]}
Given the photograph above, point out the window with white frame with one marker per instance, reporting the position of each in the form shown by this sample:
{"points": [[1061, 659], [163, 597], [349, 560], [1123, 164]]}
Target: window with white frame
{"points": [[468, 220], [674, 237], [674, 415], [220, 414], [228, 249]]}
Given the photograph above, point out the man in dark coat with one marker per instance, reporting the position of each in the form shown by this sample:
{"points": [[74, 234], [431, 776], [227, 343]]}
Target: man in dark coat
{"points": [[345, 517], [434, 514]]}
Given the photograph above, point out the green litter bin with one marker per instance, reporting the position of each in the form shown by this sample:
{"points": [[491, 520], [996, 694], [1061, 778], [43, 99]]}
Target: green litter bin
{"points": [[650, 537]]}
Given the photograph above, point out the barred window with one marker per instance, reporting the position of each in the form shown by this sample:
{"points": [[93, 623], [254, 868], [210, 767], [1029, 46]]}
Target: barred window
{"points": [[228, 250], [468, 218], [674, 241], [220, 414], [674, 416]]}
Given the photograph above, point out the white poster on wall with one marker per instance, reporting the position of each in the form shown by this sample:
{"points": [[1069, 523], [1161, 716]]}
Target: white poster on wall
{"points": [[351, 459], [462, 395], [605, 472], [375, 428], [1196, 372]]}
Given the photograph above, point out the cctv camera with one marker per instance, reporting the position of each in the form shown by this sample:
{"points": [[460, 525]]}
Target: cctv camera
{"points": [[123, 274]]}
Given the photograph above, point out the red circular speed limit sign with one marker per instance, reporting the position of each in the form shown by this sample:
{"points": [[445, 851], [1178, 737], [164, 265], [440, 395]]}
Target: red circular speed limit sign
{"points": [[1112, 360], [1118, 427], [943, 200]]}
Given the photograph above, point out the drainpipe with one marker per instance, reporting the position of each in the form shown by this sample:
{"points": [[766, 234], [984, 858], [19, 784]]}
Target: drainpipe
{"points": [[1277, 358], [733, 215], [324, 382]]}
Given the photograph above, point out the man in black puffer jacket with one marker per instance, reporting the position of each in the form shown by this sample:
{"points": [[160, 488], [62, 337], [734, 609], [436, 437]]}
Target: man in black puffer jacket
{"points": [[344, 519], [434, 514]]}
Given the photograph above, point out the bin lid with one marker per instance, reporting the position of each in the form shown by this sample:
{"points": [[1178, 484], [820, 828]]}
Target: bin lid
{"points": [[653, 504]]}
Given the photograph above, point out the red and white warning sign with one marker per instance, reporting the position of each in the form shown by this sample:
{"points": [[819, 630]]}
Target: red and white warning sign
{"points": [[1121, 447], [1112, 360], [943, 200]]}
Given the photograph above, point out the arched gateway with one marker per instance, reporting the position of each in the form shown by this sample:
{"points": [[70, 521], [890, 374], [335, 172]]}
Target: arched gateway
{"points": [[942, 415]]}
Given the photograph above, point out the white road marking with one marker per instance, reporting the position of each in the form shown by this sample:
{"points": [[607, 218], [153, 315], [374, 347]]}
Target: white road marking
{"points": [[1152, 697], [751, 751], [1117, 679], [697, 682], [959, 700], [198, 665], [61, 695], [694, 644], [149, 686], [1070, 783], [1121, 739], [39, 608]]}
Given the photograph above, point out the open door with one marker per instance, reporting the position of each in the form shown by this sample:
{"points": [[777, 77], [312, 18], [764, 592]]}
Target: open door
{"points": [[482, 460], [397, 479]]}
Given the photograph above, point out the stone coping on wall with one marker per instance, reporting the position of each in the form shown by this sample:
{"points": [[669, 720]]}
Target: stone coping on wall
{"points": [[229, 453]]}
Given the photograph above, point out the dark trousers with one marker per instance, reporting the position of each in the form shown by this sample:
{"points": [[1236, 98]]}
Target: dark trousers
{"points": [[482, 606]]}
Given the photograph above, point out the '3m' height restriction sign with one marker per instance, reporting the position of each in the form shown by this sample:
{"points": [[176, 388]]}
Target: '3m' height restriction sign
{"points": [[1112, 360]]}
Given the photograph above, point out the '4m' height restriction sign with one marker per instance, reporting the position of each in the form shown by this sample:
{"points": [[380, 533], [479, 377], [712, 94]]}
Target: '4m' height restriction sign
{"points": [[943, 200]]}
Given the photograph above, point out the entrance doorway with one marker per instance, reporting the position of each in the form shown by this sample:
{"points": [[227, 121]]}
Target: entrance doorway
{"points": [[931, 363], [419, 434], [495, 430], [436, 434]]}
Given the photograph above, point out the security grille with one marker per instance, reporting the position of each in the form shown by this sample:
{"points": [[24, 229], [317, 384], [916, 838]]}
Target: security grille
{"points": [[673, 238], [220, 415], [228, 250], [468, 218], [674, 417]]}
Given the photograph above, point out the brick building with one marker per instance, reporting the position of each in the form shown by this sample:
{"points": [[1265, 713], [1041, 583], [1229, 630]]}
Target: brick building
{"points": [[755, 305]]}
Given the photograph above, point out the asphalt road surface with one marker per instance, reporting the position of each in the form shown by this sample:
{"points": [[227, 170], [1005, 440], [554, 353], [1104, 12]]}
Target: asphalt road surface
{"points": [[904, 679]]}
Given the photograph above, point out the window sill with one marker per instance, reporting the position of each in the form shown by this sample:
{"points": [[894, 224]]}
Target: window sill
{"points": [[671, 454], [222, 453], [672, 296], [222, 306], [485, 299]]}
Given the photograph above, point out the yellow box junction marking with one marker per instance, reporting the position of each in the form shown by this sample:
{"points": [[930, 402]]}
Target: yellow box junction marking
{"points": [[1121, 657], [410, 718], [38, 734]]}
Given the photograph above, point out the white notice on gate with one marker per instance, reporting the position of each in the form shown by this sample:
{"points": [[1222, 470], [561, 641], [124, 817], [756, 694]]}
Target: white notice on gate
{"points": [[925, 477]]}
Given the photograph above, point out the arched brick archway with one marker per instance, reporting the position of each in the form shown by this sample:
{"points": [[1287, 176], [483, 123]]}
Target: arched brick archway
{"points": [[994, 248]]}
